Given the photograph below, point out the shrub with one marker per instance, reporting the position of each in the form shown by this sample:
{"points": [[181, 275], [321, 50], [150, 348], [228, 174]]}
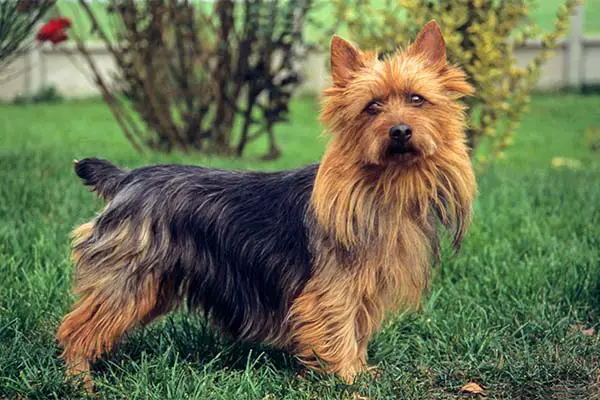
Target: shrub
{"points": [[481, 35], [18, 19], [46, 94], [189, 69]]}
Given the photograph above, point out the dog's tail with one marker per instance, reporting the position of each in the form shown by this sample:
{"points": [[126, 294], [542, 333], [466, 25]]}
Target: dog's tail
{"points": [[103, 177]]}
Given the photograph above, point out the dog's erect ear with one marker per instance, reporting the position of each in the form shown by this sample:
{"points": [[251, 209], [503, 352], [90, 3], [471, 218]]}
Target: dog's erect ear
{"points": [[430, 42], [345, 59]]}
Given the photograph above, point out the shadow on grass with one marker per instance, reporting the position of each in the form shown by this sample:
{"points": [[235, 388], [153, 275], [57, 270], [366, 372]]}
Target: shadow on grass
{"points": [[186, 338]]}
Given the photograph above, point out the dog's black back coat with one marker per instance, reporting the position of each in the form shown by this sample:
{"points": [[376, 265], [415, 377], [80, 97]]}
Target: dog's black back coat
{"points": [[234, 243]]}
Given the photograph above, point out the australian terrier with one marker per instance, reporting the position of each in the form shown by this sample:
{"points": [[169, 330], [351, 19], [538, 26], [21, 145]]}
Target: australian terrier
{"points": [[309, 260]]}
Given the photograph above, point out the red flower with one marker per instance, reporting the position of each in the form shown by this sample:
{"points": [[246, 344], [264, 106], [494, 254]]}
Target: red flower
{"points": [[54, 30]]}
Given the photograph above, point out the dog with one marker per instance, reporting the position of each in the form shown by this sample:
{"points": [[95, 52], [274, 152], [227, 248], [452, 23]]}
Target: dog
{"points": [[310, 260]]}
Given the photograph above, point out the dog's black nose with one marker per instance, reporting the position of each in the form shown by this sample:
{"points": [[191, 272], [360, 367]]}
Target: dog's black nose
{"points": [[401, 133]]}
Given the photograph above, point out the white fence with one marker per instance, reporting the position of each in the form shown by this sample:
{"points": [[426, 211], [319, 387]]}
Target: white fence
{"points": [[576, 62]]}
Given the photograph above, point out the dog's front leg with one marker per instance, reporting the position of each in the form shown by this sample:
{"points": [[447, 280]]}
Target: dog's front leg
{"points": [[331, 327]]}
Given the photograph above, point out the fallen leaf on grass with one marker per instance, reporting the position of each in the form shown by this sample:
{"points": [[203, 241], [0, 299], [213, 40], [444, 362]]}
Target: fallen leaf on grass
{"points": [[472, 388], [358, 396], [588, 332]]}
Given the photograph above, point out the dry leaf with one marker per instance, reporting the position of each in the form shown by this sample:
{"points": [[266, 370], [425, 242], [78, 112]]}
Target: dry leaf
{"points": [[473, 388], [358, 396], [588, 332]]}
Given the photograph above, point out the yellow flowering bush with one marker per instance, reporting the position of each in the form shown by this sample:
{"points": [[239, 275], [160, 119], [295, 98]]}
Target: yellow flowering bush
{"points": [[481, 35]]}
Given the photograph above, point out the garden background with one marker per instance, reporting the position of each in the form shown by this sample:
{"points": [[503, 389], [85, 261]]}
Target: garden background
{"points": [[517, 312]]}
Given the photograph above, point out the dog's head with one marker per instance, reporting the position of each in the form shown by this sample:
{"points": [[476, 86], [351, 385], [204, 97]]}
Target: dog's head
{"points": [[395, 110]]}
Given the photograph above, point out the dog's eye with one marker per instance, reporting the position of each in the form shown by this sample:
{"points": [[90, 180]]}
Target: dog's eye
{"points": [[374, 107], [415, 99]]}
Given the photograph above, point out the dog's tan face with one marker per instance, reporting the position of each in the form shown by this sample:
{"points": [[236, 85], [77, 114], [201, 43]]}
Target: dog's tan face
{"points": [[399, 109]]}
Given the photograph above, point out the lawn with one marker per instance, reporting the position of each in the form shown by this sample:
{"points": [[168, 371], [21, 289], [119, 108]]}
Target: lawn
{"points": [[507, 313]]}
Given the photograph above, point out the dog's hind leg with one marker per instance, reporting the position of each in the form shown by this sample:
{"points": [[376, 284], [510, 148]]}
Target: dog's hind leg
{"points": [[115, 294], [99, 318]]}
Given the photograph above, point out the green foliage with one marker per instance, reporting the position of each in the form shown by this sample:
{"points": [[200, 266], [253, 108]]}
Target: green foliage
{"points": [[505, 313], [481, 36]]}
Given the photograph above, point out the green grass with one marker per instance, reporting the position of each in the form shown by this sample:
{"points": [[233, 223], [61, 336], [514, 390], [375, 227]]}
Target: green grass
{"points": [[506, 313]]}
